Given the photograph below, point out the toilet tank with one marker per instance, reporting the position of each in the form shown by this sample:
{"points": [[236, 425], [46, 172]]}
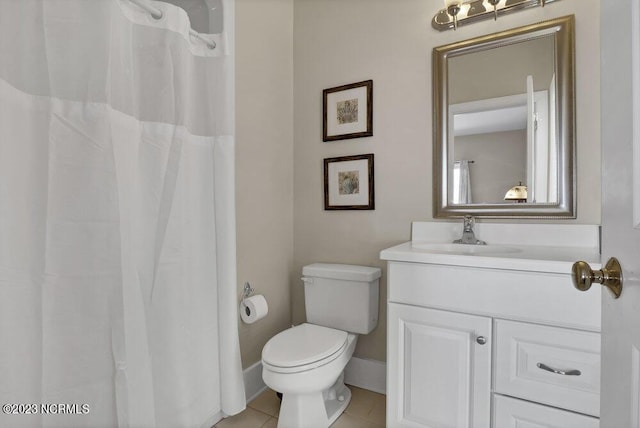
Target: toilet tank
{"points": [[344, 297]]}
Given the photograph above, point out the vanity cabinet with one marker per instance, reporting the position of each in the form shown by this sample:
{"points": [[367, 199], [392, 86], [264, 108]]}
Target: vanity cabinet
{"points": [[478, 347]]}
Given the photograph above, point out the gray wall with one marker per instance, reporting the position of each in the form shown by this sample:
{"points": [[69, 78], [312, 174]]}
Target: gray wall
{"points": [[501, 72], [500, 162], [264, 164]]}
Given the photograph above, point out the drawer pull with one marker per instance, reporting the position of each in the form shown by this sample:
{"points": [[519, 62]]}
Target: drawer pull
{"points": [[557, 371]]}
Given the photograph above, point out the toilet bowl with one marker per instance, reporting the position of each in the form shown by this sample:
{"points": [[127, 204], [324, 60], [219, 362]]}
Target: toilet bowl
{"points": [[306, 364]]}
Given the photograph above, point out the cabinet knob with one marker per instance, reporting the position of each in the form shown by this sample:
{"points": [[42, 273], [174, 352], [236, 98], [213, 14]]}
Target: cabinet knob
{"points": [[481, 340]]}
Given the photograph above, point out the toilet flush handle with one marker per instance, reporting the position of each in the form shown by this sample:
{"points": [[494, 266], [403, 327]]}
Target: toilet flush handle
{"points": [[307, 280]]}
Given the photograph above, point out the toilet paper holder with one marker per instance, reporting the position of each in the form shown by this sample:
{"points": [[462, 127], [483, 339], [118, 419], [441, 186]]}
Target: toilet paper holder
{"points": [[247, 291]]}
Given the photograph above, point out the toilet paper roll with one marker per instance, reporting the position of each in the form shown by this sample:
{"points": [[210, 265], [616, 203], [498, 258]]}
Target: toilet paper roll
{"points": [[253, 308]]}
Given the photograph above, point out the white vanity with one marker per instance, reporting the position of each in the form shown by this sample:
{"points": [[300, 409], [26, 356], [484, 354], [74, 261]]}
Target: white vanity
{"points": [[493, 336]]}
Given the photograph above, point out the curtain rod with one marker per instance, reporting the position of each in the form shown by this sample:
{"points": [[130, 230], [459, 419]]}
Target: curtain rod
{"points": [[157, 14]]}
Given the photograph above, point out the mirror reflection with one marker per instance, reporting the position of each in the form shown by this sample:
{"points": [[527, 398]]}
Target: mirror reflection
{"points": [[499, 114], [506, 130]]}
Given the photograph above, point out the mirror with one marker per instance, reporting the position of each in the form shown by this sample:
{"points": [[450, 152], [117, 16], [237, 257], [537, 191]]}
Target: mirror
{"points": [[504, 138]]}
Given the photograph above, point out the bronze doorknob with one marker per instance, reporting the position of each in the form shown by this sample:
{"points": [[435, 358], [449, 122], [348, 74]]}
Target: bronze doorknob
{"points": [[610, 276]]}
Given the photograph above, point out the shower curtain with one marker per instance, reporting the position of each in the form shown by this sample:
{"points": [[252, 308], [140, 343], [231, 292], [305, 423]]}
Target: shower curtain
{"points": [[117, 223], [461, 183]]}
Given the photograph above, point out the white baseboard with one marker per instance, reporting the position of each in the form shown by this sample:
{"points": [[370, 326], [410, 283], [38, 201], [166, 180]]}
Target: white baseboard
{"points": [[360, 372], [253, 383], [367, 374]]}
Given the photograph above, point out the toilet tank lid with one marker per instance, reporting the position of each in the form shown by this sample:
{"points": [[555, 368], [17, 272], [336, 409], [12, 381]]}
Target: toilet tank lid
{"points": [[340, 271]]}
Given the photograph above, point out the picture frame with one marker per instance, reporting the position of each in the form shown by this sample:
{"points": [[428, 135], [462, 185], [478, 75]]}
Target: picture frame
{"points": [[347, 111], [349, 183]]}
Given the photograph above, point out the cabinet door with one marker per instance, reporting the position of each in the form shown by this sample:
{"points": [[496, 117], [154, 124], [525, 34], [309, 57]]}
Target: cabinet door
{"points": [[439, 365]]}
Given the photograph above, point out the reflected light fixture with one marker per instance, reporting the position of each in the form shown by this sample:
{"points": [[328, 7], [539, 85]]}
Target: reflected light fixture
{"points": [[461, 12], [517, 193]]}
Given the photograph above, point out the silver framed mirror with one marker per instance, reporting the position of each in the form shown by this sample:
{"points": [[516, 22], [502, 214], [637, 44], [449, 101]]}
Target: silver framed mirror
{"points": [[504, 124]]}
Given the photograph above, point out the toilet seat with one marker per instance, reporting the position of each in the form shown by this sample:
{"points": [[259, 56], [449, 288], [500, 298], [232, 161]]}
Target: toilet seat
{"points": [[303, 347]]}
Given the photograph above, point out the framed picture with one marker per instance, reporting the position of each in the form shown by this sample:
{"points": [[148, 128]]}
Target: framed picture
{"points": [[348, 111], [348, 183]]}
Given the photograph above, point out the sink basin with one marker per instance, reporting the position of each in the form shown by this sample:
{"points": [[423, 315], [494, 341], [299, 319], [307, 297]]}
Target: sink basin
{"points": [[465, 249]]}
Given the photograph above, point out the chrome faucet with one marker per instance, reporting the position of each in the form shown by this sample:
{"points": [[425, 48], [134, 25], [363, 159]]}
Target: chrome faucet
{"points": [[468, 237]]}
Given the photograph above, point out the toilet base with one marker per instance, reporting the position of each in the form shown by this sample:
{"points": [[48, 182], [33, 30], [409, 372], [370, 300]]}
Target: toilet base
{"points": [[316, 410]]}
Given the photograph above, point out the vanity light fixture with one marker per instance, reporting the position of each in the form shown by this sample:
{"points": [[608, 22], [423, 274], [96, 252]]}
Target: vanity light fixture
{"points": [[461, 12], [476, 7], [453, 8], [494, 3], [517, 194]]}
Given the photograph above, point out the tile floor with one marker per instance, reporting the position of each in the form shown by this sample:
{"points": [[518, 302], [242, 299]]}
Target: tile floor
{"points": [[366, 410]]}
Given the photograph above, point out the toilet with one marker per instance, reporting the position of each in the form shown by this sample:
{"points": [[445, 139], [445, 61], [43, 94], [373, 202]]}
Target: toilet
{"points": [[306, 362]]}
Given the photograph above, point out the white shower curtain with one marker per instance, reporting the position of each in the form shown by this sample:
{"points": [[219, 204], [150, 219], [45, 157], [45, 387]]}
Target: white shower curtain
{"points": [[117, 222]]}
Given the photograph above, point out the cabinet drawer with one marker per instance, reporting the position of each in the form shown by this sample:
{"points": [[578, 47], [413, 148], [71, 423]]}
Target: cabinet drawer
{"points": [[526, 356], [512, 413]]}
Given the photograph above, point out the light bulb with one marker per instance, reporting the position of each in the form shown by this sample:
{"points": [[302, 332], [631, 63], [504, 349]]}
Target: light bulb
{"points": [[453, 7]]}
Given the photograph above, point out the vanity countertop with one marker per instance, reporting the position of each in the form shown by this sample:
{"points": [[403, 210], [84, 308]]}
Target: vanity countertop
{"points": [[517, 257], [548, 248]]}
